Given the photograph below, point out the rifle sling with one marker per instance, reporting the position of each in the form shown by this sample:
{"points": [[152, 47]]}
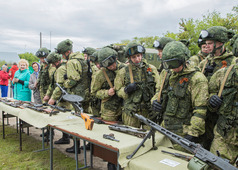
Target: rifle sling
{"points": [[225, 78]]}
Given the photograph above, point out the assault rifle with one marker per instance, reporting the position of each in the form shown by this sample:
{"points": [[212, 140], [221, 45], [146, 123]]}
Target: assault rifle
{"points": [[62, 109], [42, 109], [199, 152], [132, 131]]}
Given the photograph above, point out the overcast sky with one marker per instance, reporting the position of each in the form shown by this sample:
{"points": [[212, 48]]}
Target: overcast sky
{"points": [[94, 23]]}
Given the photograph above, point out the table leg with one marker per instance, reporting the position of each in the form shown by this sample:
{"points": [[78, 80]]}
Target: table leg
{"points": [[3, 126]]}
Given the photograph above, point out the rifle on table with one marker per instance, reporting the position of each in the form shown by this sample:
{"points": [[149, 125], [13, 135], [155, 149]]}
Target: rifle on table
{"points": [[199, 152], [132, 131], [185, 157], [43, 109], [62, 109]]}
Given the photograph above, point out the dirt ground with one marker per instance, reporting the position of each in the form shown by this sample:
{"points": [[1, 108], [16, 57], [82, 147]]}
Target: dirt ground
{"points": [[98, 164]]}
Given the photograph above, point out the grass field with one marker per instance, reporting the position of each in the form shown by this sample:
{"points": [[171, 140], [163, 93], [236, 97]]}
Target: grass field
{"points": [[12, 158]]}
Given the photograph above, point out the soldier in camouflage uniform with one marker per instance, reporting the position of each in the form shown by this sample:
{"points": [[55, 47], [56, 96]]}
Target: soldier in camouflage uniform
{"points": [[226, 130], [184, 94], [137, 88], [201, 55], [77, 78], [100, 88], [159, 45], [45, 74], [56, 60], [218, 58]]}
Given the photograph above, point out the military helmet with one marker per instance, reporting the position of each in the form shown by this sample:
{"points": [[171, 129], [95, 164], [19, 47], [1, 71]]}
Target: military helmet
{"points": [[160, 44], [53, 57], [42, 52], [174, 54], [94, 56], [107, 57], [64, 46], [89, 51], [217, 33], [133, 48]]}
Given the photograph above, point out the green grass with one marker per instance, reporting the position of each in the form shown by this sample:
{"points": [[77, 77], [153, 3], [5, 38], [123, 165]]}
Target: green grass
{"points": [[12, 158]]}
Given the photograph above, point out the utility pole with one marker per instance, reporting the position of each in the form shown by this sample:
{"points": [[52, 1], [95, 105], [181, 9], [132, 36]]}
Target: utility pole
{"points": [[50, 40], [40, 40]]}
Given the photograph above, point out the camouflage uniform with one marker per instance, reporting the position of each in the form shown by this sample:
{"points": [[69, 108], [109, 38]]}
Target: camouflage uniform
{"points": [[145, 76], [45, 78], [196, 59], [218, 61], [58, 77], [110, 105], [78, 81], [184, 94], [213, 64], [184, 101], [226, 130]]}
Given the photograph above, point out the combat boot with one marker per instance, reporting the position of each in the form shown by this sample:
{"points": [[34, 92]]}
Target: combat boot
{"points": [[63, 140], [72, 149]]}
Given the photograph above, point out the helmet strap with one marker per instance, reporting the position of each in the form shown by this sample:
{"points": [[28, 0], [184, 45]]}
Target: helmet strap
{"points": [[216, 48]]}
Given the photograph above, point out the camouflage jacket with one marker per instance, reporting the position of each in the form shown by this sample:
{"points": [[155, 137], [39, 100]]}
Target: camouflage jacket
{"points": [[227, 124], [218, 61], [188, 90], [58, 78], [196, 59], [120, 80]]}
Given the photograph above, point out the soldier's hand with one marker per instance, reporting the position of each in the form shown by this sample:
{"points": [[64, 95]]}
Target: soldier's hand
{"points": [[191, 138], [51, 101], [215, 101], [46, 98], [111, 91], [130, 88], [156, 106]]}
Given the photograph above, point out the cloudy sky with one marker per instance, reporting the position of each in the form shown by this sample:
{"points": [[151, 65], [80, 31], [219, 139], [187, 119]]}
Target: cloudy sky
{"points": [[94, 23]]}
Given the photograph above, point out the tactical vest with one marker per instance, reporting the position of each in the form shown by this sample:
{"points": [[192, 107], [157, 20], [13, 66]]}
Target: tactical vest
{"points": [[179, 109], [145, 89], [114, 101], [44, 78], [82, 86], [221, 63], [228, 112]]}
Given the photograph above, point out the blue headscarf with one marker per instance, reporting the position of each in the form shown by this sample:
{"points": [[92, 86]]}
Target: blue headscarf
{"points": [[36, 73]]}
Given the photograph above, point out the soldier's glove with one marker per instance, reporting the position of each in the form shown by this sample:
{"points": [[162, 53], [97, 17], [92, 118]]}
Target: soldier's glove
{"points": [[65, 77], [156, 106], [130, 88], [210, 68], [215, 101], [191, 138]]}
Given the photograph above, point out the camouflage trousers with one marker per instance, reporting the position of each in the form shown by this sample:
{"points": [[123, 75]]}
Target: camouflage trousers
{"points": [[225, 149], [108, 114]]}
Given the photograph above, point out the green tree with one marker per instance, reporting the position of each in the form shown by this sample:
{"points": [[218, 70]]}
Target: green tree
{"points": [[29, 57], [190, 29]]}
